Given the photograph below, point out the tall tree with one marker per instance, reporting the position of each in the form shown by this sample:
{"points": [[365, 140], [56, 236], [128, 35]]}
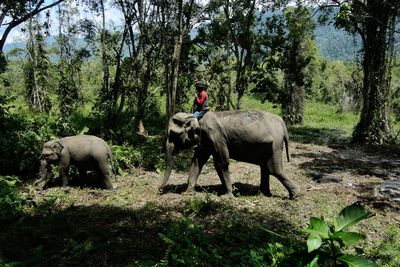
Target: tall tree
{"points": [[109, 45], [15, 12], [375, 22], [297, 55], [239, 19], [215, 53], [177, 19], [37, 68], [70, 60], [142, 20]]}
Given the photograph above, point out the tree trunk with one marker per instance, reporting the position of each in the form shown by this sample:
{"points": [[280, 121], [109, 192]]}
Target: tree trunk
{"points": [[294, 106], [374, 126]]}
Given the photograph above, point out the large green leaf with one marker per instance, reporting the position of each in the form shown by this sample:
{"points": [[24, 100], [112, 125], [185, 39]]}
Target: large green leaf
{"points": [[356, 261], [351, 215], [319, 227], [348, 238], [314, 262], [314, 241]]}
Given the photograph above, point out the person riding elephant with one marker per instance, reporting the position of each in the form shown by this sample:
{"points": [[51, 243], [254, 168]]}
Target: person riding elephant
{"points": [[250, 136], [86, 152], [200, 103]]}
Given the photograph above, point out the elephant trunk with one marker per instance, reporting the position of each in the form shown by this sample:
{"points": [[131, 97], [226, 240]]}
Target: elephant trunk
{"points": [[43, 170], [169, 150]]}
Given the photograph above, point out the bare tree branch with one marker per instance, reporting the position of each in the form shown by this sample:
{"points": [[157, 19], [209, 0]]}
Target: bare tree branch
{"points": [[15, 22]]}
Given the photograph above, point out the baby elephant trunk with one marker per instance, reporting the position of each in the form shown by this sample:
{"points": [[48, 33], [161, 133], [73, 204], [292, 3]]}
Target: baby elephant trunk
{"points": [[43, 170]]}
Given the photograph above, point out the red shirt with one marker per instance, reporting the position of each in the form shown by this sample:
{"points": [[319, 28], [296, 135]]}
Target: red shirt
{"points": [[201, 98]]}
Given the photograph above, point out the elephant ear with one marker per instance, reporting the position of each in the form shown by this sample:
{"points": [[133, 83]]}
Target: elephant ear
{"points": [[57, 146], [183, 122], [191, 123], [193, 129]]}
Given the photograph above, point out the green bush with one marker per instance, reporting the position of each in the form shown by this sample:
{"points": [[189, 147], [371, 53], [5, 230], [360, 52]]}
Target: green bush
{"points": [[327, 242], [147, 155], [125, 158], [223, 242], [190, 243], [21, 140], [12, 200]]}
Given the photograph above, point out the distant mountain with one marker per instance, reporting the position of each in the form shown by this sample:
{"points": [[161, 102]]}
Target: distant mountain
{"points": [[333, 44], [10, 46], [336, 44]]}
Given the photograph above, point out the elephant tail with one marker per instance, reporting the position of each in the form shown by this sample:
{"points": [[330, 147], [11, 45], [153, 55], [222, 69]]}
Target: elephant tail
{"points": [[286, 140]]}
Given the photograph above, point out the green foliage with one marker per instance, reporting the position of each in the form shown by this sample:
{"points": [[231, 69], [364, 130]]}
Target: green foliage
{"points": [[226, 242], [198, 206], [12, 200], [337, 82], [147, 155], [191, 244], [387, 252], [4, 101], [21, 139], [125, 158], [328, 241]]}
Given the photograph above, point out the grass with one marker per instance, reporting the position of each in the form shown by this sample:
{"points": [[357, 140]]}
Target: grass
{"points": [[323, 124]]}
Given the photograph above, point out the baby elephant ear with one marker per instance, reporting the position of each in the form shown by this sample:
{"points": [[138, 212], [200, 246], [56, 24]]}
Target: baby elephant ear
{"points": [[57, 146]]}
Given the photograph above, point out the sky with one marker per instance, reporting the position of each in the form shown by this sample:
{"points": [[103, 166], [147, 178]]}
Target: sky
{"points": [[113, 17]]}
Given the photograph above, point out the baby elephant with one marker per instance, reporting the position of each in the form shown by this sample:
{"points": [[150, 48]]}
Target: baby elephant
{"points": [[86, 152]]}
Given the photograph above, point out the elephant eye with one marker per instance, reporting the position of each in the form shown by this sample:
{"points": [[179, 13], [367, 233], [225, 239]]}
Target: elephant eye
{"points": [[187, 124]]}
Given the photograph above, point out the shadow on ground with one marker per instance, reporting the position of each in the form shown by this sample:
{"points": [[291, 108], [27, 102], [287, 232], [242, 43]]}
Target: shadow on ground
{"points": [[91, 180], [114, 236], [369, 168], [356, 160], [317, 136], [239, 189]]}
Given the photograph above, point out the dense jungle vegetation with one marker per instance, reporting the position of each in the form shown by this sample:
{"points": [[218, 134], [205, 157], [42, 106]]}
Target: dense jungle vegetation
{"points": [[124, 81]]}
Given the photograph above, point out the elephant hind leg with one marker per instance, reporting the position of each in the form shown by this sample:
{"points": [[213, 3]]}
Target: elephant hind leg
{"points": [[223, 174], [275, 168], [264, 184], [288, 184]]}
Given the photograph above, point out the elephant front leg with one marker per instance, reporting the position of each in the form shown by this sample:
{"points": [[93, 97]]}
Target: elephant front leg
{"points": [[199, 159], [264, 185], [105, 173], [64, 171]]}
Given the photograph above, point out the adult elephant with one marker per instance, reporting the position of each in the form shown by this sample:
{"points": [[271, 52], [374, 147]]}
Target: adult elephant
{"points": [[86, 152], [250, 136]]}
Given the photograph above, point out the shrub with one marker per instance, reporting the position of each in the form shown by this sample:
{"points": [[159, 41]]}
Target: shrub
{"points": [[21, 140], [12, 200], [327, 241], [125, 158], [192, 241], [147, 155]]}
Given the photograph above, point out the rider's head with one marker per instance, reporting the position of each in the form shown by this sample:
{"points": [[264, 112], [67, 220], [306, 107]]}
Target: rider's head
{"points": [[200, 86]]}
